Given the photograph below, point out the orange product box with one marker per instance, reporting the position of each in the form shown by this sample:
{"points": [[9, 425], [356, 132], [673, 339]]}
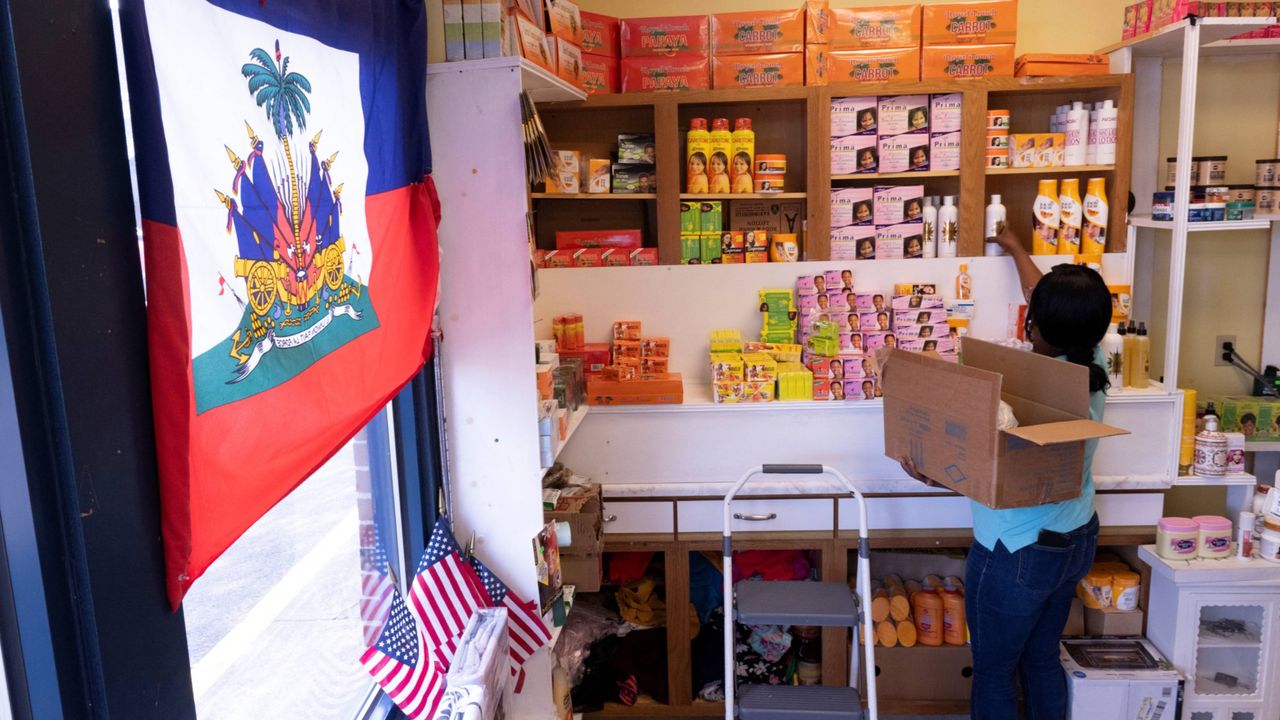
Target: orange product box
{"points": [[749, 71], [817, 29], [871, 28], [857, 66], [655, 347], [654, 365], [558, 259], [533, 42], [644, 256], [578, 239], [566, 20], [599, 34], [958, 62], [617, 257], [816, 65], [759, 32], [653, 74], [627, 330], [984, 22], [657, 389], [538, 258], [600, 74], [568, 60], [626, 349], [588, 257], [664, 36], [1059, 65], [620, 372]]}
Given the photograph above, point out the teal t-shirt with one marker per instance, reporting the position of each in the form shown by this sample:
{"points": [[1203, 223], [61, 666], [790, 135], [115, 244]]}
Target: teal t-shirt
{"points": [[1020, 527]]}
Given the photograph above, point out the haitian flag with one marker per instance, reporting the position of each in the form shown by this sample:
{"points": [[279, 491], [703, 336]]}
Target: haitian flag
{"points": [[289, 234]]}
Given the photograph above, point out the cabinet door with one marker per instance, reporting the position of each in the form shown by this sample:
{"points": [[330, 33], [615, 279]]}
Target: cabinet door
{"points": [[1230, 661]]}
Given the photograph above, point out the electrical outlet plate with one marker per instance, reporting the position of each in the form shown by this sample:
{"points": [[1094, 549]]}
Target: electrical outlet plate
{"points": [[1217, 349]]}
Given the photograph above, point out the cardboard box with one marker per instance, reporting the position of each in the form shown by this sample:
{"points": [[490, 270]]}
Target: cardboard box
{"points": [[1257, 417], [712, 216], [649, 390], [945, 112], [585, 523], [949, 670], [1075, 619], [753, 71], [690, 248], [617, 257], [758, 32], [875, 66], [582, 571], [565, 20], [533, 42], [944, 151], [855, 154], [644, 256], [1060, 65], [568, 61], [960, 62], [903, 153], [851, 206], [599, 34], [575, 239], [588, 257], [677, 73], [1112, 622], [854, 116], [875, 28], [782, 216], [952, 434], [903, 114], [633, 178], [600, 75], [664, 36], [985, 22], [817, 29], [816, 65]]}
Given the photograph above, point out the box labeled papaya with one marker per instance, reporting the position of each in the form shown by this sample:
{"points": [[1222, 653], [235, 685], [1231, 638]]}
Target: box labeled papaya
{"points": [[858, 66], [758, 32], [664, 36], [875, 28], [954, 437], [599, 34], [600, 75], [985, 22], [753, 71], [960, 62], [660, 74]]}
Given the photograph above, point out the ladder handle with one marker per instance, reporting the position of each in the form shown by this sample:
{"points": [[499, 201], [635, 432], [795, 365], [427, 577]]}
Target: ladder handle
{"points": [[792, 469], [756, 518]]}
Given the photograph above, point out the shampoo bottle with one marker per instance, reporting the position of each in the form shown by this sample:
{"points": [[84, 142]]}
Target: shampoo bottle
{"points": [[930, 228], [1077, 135], [1096, 215], [994, 225], [964, 283], [744, 156], [1045, 219], [697, 149], [1113, 349], [1141, 358], [1072, 216], [1108, 123], [948, 227]]}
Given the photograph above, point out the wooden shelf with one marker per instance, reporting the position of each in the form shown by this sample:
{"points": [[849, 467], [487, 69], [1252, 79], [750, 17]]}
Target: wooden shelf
{"points": [[593, 196], [898, 176], [744, 196], [1065, 170]]}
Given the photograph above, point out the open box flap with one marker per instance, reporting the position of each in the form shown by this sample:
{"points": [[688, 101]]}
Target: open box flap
{"points": [[931, 381], [1045, 380], [1065, 431]]}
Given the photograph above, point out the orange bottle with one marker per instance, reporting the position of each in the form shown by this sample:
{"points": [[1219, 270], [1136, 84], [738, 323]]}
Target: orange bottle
{"points": [[953, 626], [928, 608]]}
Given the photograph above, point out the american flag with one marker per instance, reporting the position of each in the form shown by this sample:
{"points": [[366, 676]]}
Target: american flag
{"points": [[525, 628], [399, 664], [445, 592], [376, 585]]}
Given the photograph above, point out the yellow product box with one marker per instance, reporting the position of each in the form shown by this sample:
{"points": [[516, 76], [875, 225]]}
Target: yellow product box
{"points": [[875, 28], [711, 250], [690, 248], [1037, 150], [756, 256], [876, 66], [599, 176], [988, 22], [723, 341], [759, 367], [1257, 417], [726, 367], [817, 30], [756, 32], [754, 71], [566, 175], [757, 391], [962, 62], [726, 392], [795, 382]]}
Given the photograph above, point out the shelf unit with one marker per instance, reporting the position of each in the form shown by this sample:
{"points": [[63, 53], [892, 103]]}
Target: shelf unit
{"points": [[744, 196], [1143, 220], [1064, 170], [593, 196], [575, 419], [797, 122]]}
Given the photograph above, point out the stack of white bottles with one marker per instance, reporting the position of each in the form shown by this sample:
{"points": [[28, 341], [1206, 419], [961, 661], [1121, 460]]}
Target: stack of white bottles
{"points": [[1090, 132]]}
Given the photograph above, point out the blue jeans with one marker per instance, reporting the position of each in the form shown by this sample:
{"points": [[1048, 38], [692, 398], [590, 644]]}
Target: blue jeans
{"points": [[1017, 606]]}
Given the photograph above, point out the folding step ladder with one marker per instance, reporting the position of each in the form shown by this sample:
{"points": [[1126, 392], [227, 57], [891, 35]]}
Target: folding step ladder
{"points": [[825, 604]]}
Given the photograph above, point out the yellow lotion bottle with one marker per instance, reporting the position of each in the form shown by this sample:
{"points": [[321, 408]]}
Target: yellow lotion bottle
{"points": [[744, 156], [1096, 215], [1072, 216], [720, 149], [697, 150], [1046, 216]]}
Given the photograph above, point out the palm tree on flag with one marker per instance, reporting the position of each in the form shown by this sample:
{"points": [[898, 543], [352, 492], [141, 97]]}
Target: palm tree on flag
{"points": [[283, 97]]}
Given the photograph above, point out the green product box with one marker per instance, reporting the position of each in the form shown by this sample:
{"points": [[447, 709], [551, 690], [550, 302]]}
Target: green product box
{"points": [[1257, 417], [690, 249], [710, 247], [690, 217], [712, 216]]}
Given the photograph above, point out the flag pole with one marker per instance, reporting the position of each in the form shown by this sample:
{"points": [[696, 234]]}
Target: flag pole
{"points": [[446, 484]]}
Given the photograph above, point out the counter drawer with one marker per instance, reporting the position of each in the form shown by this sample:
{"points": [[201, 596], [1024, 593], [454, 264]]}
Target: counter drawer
{"points": [[622, 517], [774, 515]]}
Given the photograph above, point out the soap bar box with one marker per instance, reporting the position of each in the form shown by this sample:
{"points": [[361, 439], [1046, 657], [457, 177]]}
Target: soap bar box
{"points": [[951, 436]]}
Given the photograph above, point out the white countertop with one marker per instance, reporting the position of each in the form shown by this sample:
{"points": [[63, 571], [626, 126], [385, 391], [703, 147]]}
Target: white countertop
{"points": [[829, 486], [1203, 571]]}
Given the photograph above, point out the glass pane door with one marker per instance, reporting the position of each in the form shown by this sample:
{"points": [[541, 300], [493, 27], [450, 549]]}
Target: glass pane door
{"points": [[1229, 650]]}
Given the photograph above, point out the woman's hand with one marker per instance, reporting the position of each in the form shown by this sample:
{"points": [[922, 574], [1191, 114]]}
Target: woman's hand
{"points": [[1009, 241], [909, 467]]}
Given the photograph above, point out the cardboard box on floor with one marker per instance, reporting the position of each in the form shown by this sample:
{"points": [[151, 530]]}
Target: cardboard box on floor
{"points": [[1109, 622], [584, 525], [947, 671], [943, 416]]}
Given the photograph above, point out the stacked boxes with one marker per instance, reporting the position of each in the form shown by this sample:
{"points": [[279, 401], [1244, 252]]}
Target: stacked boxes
{"points": [[817, 41], [758, 49], [899, 221], [727, 367], [778, 316], [566, 40], [701, 231], [997, 139], [665, 54], [873, 44], [853, 231], [600, 54], [638, 372], [1257, 417], [906, 133], [831, 329], [920, 324], [968, 39]]}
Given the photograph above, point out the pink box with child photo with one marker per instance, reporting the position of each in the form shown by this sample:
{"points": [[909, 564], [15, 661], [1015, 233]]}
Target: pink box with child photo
{"points": [[919, 317], [917, 302]]}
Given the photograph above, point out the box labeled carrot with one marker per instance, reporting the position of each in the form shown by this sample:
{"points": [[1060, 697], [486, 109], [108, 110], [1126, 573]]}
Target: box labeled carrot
{"points": [[651, 74], [757, 33], [986, 22], [857, 66], [748, 71], [959, 62], [664, 36], [872, 28], [599, 34], [600, 74]]}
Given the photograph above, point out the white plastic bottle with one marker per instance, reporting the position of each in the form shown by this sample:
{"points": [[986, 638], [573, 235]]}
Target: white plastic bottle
{"points": [[930, 228], [994, 225], [1091, 152], [1113, 350], [1077, 135], [948, 227], [1108, 122]]}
